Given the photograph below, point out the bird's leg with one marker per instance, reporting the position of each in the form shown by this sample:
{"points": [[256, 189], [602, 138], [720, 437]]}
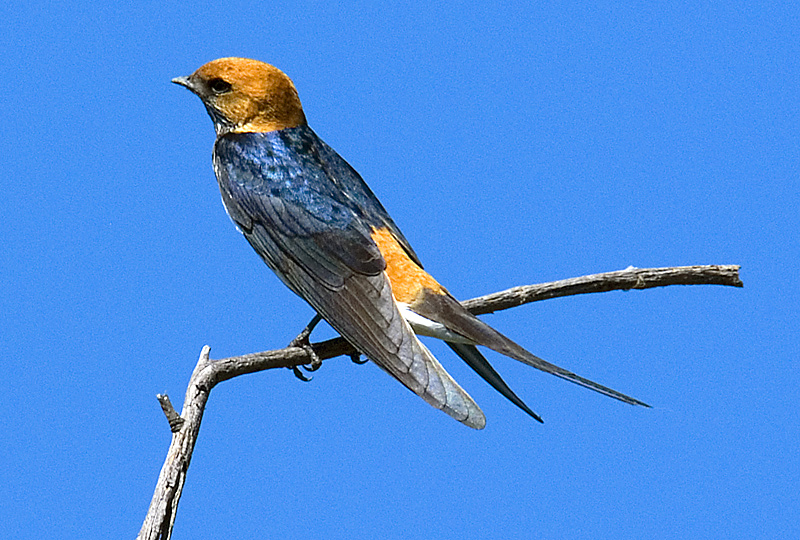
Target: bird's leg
{"points": [[302, 341], [302, 337]]}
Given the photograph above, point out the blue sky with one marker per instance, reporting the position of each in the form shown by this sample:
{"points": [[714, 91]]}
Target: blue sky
{"points": [[513, 144]]}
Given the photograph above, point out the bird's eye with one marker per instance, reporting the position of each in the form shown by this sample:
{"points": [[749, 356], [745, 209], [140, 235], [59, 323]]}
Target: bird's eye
{"points": [[219, 86]]}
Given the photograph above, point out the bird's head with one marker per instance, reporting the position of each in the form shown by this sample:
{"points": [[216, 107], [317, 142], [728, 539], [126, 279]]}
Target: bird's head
{"points": [[244, 95]]}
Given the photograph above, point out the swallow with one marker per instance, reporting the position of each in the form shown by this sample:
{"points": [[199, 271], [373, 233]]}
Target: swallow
{"points": [[314, 221]]}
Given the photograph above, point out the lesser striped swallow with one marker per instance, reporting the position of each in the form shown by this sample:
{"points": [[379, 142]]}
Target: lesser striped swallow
{"points": [[319, 227]]}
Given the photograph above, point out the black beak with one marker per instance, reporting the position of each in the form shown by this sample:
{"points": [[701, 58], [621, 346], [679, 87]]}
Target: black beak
{"points": [[185, 82]]}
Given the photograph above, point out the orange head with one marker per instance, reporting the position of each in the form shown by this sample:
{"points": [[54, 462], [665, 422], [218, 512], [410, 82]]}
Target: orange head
{"points": [[244, 95]]}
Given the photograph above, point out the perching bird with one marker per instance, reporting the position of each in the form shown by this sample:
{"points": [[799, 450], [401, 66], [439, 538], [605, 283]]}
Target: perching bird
{"points": [[318, 226]]}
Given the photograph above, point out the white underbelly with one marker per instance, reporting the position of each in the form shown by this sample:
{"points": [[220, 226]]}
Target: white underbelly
{"points": [[423, 326]]}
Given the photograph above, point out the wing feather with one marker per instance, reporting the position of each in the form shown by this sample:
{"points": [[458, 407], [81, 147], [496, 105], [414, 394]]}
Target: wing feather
{"points": [[293, 214]]}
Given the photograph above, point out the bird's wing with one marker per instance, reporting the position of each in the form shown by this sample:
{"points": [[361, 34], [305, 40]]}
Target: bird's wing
{"points": [[351, 183], [276, 189]]}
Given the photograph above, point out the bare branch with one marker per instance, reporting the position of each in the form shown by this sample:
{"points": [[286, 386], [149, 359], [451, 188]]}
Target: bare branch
{"points": [[164, 504], [174, 419], [208, 373], [621, 280]]}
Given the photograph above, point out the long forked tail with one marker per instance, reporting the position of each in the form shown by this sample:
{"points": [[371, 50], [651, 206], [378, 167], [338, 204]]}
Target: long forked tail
{"points": [[457, 321], [474, 359], [512, 350]]}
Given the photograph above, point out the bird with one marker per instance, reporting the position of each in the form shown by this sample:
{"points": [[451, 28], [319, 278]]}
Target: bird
{"points": [[314, 221]]}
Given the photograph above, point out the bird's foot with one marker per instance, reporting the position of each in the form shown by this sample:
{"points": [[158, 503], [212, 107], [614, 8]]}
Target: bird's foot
{"points": [[356, 359], [302, 341]]}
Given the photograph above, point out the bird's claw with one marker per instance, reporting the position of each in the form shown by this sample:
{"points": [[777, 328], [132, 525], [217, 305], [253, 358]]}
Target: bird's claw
{"points": [[356, 359], [315, 364], [302, 342], [299, 374]]}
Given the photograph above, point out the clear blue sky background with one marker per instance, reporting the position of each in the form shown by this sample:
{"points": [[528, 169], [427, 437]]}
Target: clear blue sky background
{"points": [[512, 145]]}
